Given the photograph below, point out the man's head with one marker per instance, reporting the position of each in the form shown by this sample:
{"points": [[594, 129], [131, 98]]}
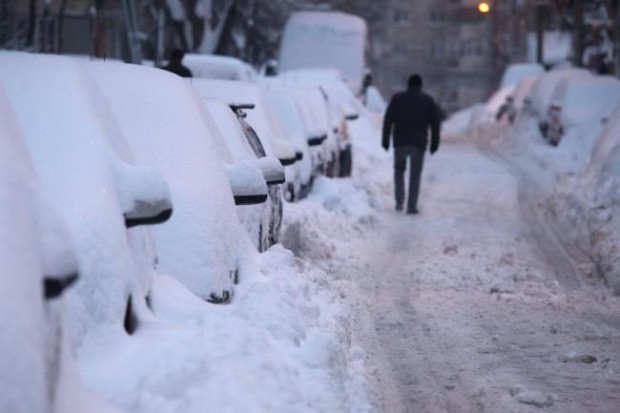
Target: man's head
{"points": [[177, 55], [415, 81]]}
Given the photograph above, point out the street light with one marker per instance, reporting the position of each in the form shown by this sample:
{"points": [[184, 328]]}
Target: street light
{"points": [[484, 7]]}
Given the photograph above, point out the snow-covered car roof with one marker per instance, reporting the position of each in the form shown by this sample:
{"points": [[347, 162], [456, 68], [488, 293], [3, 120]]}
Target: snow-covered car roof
{"points": [[586, 98], [219, 67], [514, 73], [542, 91], [325, 39], [522, 90], [203, 244], [260, 117], [77, 149]]}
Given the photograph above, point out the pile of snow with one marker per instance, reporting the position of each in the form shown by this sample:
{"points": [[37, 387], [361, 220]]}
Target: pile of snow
{"points": [[459, 122], [280, 346], [578, 181], [591, 201]]}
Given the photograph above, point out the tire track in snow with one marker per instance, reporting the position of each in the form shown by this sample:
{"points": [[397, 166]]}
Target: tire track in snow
{"points": [[447, 342], [428, 380], [564, 257]]}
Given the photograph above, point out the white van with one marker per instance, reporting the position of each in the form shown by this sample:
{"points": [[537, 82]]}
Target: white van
{"points": [[325, 39]]}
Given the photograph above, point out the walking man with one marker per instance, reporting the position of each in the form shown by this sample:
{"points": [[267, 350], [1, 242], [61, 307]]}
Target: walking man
{"points": [[408, 117]]}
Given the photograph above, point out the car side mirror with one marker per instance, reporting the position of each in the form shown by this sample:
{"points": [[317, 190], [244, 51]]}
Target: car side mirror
{"points": [[57, 252], [144, 195], [53, 287], [247, 183], [284, 151], [272, 170], [299, 156], [315, 138]]}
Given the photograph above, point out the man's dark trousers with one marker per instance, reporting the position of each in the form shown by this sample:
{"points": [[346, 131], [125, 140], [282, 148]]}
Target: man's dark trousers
{"points": [[416, 161]]}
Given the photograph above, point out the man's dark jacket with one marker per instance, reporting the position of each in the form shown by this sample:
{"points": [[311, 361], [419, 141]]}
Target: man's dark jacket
{"points": [[410, 114]]}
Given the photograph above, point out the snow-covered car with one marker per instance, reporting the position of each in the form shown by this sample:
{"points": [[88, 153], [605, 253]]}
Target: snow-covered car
{"points": [[38, 263], [83, 162], [320, 137], [541, 92], [260, 116], [514, 73], [375, 100], [259, 220], [578, 101], [219, 67], [522, 90], [249, 102], [203, 245], [285, 105], [489, 111], [322, 129], [325, 39], [346, 112]]}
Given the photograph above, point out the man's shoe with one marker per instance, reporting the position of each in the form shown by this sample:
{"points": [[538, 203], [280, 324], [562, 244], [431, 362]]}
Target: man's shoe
{"points": [[399, 207], [413, 211]]}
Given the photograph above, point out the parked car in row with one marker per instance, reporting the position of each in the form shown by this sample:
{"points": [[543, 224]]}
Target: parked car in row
{"points": [[81, 158], [38, 263], [251, 104], [203, 244], [579, 101], [219, 67]]}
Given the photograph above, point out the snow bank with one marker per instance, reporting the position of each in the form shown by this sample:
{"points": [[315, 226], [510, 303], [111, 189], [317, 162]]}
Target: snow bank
{"points": [[459, 122], [281, 346]]}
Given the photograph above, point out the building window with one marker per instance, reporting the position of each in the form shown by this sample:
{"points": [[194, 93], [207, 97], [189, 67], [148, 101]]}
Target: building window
{"points": [[401, 16], [436, 16]]}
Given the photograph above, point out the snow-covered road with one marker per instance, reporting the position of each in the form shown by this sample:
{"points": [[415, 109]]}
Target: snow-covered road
{"points": [[477, 304]]}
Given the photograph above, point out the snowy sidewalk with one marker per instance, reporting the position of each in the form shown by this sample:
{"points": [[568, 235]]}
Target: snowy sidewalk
{"points": [[457, 311]]}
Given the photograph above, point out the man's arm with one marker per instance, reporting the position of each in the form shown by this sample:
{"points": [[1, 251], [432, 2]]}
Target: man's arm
{"points": [[388, 121], [435, 123]]}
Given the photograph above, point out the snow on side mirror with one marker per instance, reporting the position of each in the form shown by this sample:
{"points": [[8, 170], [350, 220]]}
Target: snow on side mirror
{"points": [[144, 195], [272, 170], [247, 183], [350, 113], [284, 151]]}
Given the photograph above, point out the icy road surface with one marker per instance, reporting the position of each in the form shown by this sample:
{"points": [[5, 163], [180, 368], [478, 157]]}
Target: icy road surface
{"points": [[475, 305]]}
